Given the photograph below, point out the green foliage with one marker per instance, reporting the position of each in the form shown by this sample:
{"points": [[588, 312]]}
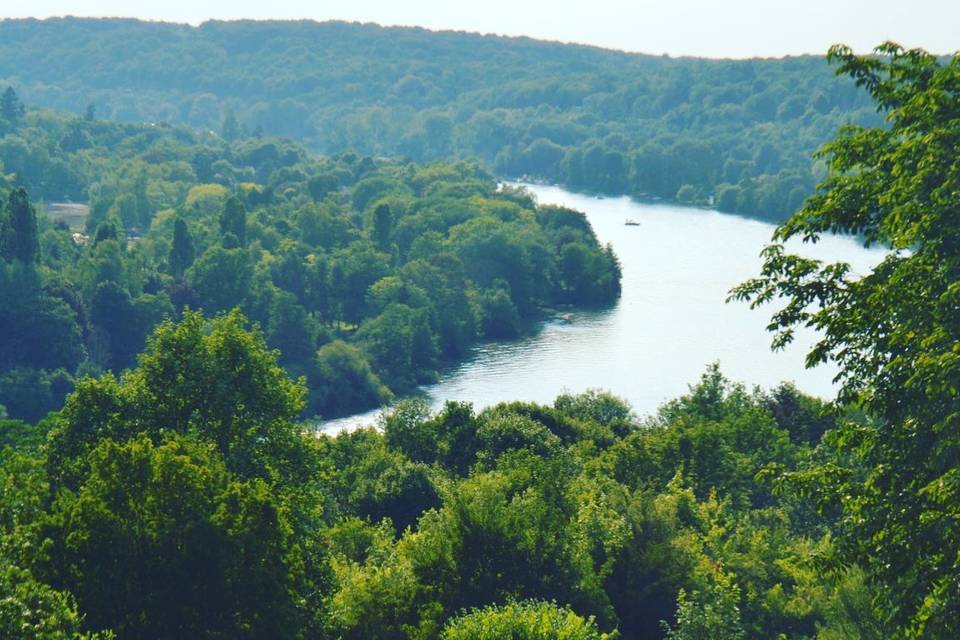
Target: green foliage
{"points": [[11, 108], [344, 382], [221, 278], [212, 378], [181, 251], [18, 229], [893, 332], [522, 621], [179, 500], [602, 121], [20, 435], [397, 260], [233, 221], [182, 500], [712, 615], [30, 394], [31, 609], [40, 330], [208, 550]]}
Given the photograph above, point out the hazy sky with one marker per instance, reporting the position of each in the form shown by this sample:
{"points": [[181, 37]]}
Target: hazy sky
{"points": [[714, 28]]}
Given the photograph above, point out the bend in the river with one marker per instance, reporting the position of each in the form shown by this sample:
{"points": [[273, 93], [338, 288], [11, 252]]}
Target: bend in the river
{"points": [[679, 264]]}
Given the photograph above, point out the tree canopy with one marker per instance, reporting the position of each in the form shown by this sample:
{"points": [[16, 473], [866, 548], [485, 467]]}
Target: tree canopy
{"points": [[894, 332], [408, 264], [735, 133]]}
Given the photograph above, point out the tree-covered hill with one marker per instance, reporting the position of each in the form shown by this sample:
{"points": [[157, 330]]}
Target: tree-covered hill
{"points": [[366, 274], [181, 498], [606, 121]]}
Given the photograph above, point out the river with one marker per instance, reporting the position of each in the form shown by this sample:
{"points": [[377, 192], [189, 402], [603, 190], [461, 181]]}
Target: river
{"points": [[679, 263]]}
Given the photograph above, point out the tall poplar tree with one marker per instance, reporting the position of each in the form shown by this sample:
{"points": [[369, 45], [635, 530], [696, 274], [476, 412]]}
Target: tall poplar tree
{"points": [[18, 229], [181, 253], [233, 220]]}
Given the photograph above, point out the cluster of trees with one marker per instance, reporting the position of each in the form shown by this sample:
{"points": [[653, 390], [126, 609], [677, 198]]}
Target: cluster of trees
{"points": [[367, 275], [182, 499], [890, 486], [740, 132]]}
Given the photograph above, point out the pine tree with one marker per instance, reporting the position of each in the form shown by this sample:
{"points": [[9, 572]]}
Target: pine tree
{"points": [[181, 253]]}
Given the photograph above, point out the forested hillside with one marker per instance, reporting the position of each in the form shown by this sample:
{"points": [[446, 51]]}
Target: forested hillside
{"points": [[736, 133], [183, 500], [367, 275], [177, 494]]}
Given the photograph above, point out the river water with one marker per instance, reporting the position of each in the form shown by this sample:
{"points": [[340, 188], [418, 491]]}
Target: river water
{"points": [[679, 264]]}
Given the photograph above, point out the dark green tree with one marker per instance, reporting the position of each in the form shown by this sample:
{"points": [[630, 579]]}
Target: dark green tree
{"points": [[221, 278], [233, 220], [112, 311], [212, 378], [181, 252], [142, 205], [159, 541], [11, 108], [344, 382], [382, 226], [18, 231]]}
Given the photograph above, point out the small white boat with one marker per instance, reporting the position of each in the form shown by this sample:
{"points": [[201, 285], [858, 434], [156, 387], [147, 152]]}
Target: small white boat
{"points": [[630, 222]]}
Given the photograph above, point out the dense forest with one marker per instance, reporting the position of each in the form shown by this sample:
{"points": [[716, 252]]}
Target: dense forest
{"points": [[367, 275], [179, 494], [735, 134]]}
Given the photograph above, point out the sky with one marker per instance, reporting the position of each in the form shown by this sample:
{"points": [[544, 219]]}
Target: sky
{"points": [[708, 28]]}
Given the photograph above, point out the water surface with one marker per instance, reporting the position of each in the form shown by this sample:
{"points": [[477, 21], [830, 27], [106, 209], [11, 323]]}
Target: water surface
{"points": [[679, 264]]}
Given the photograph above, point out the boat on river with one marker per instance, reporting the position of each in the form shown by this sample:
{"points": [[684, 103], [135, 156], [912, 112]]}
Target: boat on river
{"points": [[630, 222]]}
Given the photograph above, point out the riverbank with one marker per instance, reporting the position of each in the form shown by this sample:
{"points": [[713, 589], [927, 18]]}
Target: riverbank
{"points": [[670, 323]]}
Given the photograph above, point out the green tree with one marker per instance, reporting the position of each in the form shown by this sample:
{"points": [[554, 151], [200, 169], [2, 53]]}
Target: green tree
{"points": [[31, 609], [11, 108], [401, 344], [712, 615], [382, 226], [30, 394], [499, 318], [18, 231], [230, 129], [159, 541], [112, 311], [181, 253], [529, 620], [344, 382], [215, 379], [233, 220], [221, 278], [39, 331], [142, 204], [893, 332]]}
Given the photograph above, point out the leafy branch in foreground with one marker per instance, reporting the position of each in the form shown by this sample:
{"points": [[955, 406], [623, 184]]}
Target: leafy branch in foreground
{"points": [[895, 332]]}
